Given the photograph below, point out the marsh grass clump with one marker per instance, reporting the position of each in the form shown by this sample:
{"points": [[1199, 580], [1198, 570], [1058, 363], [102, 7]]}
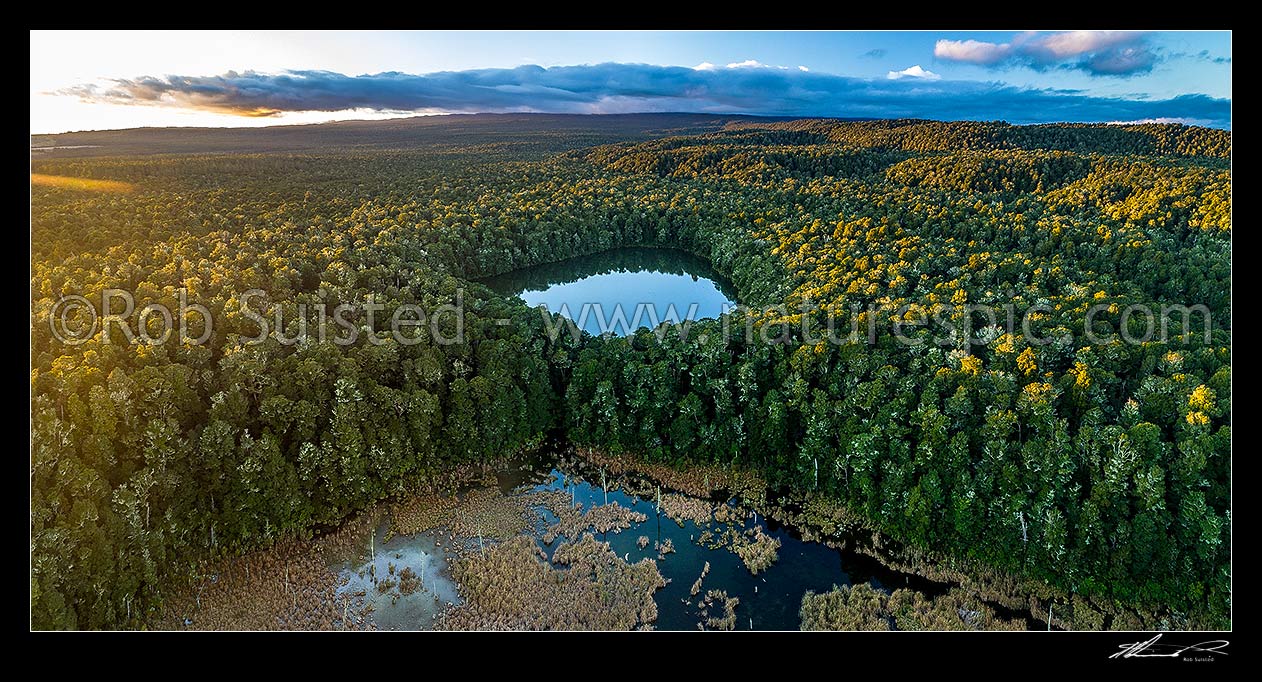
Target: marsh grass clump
{"points": [[831, 516], [724, 513], [555, 501], [955, 610], [756, 549], [431, 504], [465, 499], [698, 480], [409, 581], [486, 513], [497, 587], [863, 607], [422, 512], [612, 517], [624, 589], [290, 585], [819, 518], [604, 518], [665, 547], [851, 607], [642, 541], [726, 621], [511, 586], [696, 586], [285, 587], [681, 508], [569, 514], [709, 540]]}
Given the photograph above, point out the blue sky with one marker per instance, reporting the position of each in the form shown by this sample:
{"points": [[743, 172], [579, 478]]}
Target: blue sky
{"points": [[95, 80]]}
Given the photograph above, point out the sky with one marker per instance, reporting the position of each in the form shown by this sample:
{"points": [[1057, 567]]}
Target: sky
{"points": [[95, 80]]}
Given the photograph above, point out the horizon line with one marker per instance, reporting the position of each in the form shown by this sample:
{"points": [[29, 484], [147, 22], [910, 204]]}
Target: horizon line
{"points": [[781, 117]]}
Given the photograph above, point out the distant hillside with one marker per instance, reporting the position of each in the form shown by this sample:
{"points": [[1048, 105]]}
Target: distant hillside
{"points": [[919, 135], [539, 132], [524, 135]]}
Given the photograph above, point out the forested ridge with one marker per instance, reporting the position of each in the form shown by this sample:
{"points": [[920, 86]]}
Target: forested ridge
{"points": [[1103, 469]]}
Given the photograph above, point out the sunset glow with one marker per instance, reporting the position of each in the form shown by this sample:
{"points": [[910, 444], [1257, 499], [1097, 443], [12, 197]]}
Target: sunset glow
{"points": [[98, 80]]}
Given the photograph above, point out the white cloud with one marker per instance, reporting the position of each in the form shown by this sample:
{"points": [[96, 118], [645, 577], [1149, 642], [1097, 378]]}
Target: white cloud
{"points": [[1074, 43], [972, 51], [1163, 119], [747, 64], [914, 72], [1101, 53]]}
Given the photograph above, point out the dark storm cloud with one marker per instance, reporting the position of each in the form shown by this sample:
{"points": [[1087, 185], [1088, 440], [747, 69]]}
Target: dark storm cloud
{"points": [[621, 88]]}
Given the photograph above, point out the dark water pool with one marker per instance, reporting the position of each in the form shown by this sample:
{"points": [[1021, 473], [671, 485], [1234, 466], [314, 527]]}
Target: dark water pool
{"points": [[769, 600]]}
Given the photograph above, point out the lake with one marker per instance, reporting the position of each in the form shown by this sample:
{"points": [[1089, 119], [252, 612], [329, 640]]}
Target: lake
{"points": [[621, 290]]}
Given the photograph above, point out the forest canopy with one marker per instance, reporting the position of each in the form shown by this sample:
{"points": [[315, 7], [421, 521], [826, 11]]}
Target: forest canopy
{"points": [[1100, 468]]}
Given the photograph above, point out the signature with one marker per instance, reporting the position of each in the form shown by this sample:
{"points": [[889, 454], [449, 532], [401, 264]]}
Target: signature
{"points": [[1152, 649]]}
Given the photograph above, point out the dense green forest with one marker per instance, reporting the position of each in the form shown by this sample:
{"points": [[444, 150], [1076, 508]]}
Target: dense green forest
{"points": [[1102, 468]]}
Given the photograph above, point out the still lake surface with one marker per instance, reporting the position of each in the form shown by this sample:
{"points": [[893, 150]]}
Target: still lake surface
{"points": [[621, 290]]}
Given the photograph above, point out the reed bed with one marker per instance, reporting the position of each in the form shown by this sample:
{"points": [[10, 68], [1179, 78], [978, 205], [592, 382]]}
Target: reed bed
{"points": [[604, 518], [698, 480], [720, 598], [484, 513], [863, 607], [757, 550], [696, 586], [511, 586], [409, 581], [288, 586], [682, 508]]}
